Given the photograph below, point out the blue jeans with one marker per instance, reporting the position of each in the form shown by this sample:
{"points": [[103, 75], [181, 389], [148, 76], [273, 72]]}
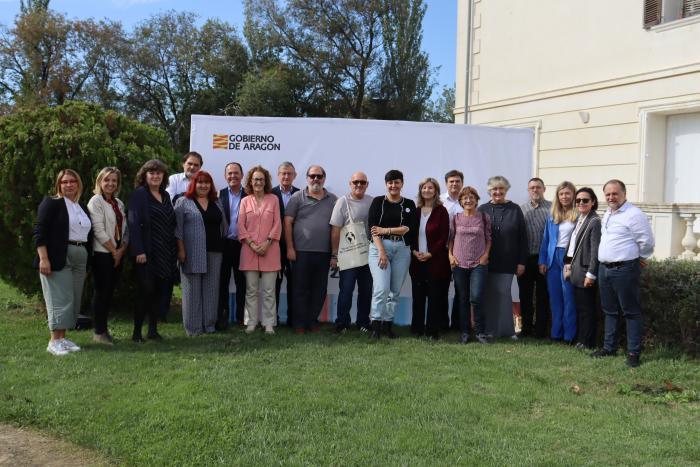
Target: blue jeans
{"points": [[561, 299], [619, 290], [363, 277], [387, 282], [469, 286]]}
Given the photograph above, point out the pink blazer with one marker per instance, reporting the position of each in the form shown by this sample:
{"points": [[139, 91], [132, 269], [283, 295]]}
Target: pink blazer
{"points": [[258, 225]]}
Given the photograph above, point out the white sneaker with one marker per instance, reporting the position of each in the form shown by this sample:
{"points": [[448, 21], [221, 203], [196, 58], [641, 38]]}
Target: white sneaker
{"points": [[269, 329], [250, 329], [57, 348], [70, 345]]}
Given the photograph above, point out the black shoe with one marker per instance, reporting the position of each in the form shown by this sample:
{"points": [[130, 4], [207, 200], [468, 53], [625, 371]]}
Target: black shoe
{"points": [[387, 325], [364, 329], [154, 336], [464, 338], [482, 338], [340, 330], [603, 353], [137, 337], [632, 360], [376, 330], [221, 326]]}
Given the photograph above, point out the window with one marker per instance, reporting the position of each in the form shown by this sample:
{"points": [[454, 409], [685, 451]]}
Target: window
{"points": [[664, 11]]}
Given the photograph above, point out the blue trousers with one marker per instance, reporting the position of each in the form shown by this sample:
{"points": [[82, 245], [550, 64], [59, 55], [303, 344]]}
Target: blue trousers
{"points": [[469, 284], [387, 283], [561, 300], [363, 277], [619, 290]]}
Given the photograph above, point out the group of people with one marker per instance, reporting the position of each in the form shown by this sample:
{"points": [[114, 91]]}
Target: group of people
{"points": [[181, 226]]}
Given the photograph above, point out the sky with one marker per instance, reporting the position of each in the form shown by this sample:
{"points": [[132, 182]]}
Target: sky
{"points": [[439, 24]]}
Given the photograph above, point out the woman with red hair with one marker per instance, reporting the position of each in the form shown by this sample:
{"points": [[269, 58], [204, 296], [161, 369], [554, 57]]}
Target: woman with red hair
{"points": [[200, 231]]}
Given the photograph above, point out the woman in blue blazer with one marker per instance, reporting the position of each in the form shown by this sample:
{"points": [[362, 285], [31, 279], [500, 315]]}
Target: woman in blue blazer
{"points": [[557, 232]]}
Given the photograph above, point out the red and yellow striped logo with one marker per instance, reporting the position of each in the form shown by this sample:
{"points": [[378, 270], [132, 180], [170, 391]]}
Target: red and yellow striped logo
{"points": [[220, 142]]}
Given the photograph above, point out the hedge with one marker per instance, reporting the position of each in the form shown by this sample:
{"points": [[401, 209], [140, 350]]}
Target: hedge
{"points": [[670, 295], [35, 144]]}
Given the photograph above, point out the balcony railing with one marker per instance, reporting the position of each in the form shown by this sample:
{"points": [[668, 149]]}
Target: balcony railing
{"points": [[674, 229]]}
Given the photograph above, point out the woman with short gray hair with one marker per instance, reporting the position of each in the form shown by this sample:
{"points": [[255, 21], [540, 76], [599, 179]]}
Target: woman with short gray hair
{"points": [[507, 257]]}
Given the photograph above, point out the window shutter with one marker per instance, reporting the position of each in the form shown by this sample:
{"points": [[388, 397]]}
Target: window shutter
{"points": [[691, 8], [652, 13]]}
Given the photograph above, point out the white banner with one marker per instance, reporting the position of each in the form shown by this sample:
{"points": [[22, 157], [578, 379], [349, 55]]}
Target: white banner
{"points": [[345, 146]]}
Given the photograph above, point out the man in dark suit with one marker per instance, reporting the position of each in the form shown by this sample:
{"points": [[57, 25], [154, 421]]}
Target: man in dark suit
{"points": [[284, 191], [230, 200]]}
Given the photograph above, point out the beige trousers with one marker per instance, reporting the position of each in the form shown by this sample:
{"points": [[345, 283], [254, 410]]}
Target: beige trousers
{"points": [[264, 282]]}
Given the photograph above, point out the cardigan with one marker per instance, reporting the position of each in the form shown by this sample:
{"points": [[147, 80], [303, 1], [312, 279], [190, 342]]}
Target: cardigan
{"points": [[437, 232], [104, 222], [51, 230], [190, 229], [258, 226], [509, 243]]}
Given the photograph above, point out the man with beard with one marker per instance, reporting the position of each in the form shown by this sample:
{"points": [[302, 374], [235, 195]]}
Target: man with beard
{"points": [[307, 231], [286, 173], [177, 183], [230, 198]]}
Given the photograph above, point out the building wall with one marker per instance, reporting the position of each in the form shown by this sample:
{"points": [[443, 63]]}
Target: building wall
{"points": [[587, 77]]}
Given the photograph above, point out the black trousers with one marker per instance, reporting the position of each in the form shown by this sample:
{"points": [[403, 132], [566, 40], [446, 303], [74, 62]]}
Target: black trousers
{"points": [[535, 318], [152, 291], [432, 291], [310, 285], [587, 314], [287, 272], [231, 259], [105, 277]]}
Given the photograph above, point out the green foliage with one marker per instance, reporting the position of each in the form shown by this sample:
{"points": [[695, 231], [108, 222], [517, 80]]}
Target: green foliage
{"points": [[36, 144], [670, 294]]}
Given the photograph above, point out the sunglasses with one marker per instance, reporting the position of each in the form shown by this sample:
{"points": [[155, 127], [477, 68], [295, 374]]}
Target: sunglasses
{"points": [[583, 200], [315, 176], [359, 182]]}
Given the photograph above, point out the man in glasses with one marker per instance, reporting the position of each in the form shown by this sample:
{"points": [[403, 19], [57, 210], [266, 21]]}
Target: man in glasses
{"points": [[231, 197], [286, 174], [626, 243], [535, 210], [307, 232], [351, 210]]}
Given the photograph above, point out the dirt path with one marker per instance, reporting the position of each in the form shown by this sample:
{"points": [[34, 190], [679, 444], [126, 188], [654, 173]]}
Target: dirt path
{"points": [[20, 447]]}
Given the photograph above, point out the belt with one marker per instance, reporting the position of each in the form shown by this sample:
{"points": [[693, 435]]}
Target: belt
{"points": [[617, 264], [393, 238], [73, 242]]}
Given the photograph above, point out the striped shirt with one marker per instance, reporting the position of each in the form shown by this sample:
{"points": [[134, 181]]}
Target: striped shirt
{"points": [[535, 219], [471, 237]]}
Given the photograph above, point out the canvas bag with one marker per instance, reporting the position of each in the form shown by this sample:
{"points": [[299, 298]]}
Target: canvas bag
{"points": [[353, 250]]}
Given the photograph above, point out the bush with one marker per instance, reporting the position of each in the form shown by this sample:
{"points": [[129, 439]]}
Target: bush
{"points": [[670, 294], [35, 144]]}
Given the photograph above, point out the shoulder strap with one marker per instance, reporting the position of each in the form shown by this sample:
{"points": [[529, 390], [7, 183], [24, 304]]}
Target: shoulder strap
{"points": [[347, 204]]}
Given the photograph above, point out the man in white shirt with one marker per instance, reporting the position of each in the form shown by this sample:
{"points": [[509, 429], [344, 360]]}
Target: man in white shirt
{"points": [[454, 181], [626, 243], [352, 208], [177, 183]]}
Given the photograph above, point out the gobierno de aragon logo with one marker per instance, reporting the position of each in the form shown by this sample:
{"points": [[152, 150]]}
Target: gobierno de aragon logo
{"points": [[245, 142]]}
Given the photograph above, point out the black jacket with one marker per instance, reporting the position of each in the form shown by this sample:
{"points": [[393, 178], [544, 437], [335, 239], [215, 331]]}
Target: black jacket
{"points": [[51, 230]]}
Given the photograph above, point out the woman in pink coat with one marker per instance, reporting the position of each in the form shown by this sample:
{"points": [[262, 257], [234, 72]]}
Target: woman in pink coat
{"points": [[259, 230]]}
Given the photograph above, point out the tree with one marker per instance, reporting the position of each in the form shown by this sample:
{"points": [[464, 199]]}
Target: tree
{"points": [[170, 69], [405, 85], [35, 144], [441, 110], [335, 43]]}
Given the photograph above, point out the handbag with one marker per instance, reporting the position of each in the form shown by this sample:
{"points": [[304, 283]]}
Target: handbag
{"points": [[353, 250]]}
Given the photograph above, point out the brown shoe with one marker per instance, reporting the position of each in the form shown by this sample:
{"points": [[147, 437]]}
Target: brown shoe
{"points": [[102, 339]]}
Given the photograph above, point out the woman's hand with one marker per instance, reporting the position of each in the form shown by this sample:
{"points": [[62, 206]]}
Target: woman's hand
{"points": [[262, 248], [543, 269], [484, 260], [141, 259], [376, 230], [588, 282], [45, 266], [383, 261], [453, 262], [520, 270], [117, 256]]}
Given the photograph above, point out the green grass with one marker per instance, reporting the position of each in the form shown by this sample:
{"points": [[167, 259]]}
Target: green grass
{"points": [[235, 399]]}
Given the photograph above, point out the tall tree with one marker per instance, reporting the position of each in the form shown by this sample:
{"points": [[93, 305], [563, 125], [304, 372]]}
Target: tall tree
{"points": [[335, 43], [405, 80], [171, 68], [441, 109]]}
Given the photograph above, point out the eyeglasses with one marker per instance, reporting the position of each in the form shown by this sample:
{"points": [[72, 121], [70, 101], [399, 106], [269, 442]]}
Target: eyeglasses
{"points": [[258, 180], [359, 182], [315, 176], [583, 200]]}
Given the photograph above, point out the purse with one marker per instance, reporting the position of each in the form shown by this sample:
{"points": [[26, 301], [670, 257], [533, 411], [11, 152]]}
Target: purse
{"points": [[353, 250]]}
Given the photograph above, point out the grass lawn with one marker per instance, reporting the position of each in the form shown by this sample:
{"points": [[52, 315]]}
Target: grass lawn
{"points": [[235, 399]]}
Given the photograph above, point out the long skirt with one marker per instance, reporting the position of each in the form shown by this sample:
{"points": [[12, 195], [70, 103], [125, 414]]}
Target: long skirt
{"points": [[498, 305]]}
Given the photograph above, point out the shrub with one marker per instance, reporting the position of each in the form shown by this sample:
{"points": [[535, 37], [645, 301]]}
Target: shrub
{"points": [[35, 144], [670, 294]]}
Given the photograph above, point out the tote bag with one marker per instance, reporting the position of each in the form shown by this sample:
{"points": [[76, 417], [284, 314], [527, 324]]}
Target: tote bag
{"points": [[353, 250]]}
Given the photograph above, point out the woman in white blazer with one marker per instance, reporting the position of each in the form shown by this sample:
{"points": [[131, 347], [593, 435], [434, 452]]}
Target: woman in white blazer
{"points": [[111, 237]]}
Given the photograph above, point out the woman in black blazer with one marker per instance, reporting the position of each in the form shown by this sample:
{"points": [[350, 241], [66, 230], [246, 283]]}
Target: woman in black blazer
{"points": [[62, 235], [151, 222], [582, 267]]}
